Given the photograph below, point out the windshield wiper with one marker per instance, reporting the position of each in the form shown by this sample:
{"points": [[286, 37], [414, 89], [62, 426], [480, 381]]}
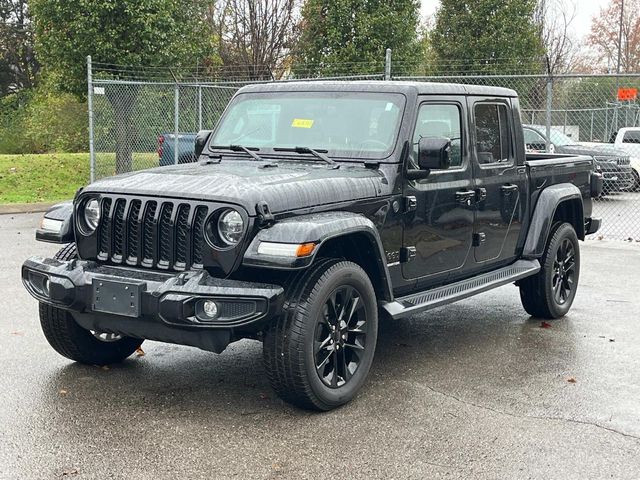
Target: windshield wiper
{"points": [[240, 148], [316, 153]]}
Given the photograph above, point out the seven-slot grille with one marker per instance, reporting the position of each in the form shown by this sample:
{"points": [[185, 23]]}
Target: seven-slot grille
{"points": [[152, 233]]}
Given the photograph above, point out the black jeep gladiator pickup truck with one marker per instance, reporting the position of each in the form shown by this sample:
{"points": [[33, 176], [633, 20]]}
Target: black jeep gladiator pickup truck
{"points": [[314, 209]]}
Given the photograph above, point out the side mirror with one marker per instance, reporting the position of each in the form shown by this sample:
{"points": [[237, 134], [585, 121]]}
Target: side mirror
{"points": [[202, 138], [434, 153]]}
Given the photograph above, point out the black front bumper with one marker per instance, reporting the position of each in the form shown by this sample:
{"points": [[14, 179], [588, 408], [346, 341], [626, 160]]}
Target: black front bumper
{"points": [[152, 305]]}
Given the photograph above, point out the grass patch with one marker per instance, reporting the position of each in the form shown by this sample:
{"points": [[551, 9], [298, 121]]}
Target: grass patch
{"points": [[50, 177], [42, 178]]}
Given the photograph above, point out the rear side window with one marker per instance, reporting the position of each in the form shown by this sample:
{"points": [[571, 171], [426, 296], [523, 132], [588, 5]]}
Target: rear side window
{"points": [[492, 133], [631, 137]]}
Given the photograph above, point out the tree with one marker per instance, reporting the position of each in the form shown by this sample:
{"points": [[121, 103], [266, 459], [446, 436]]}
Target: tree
{"points": [[351, 36], [554, 19], [486, 36], [117, 32], [254, 36], [18, 65], [604, 36]]}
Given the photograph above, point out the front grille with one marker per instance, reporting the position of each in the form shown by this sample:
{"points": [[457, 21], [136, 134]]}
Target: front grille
{"points": [[152, 233], [619, 161]]}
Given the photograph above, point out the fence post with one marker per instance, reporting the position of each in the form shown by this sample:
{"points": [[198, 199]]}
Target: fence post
{"points": [[387, 65], [548, 117], [92, 153], [199, 107], [176, 122]]}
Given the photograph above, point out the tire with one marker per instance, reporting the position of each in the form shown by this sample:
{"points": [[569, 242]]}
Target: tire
{"points": [[309, 364], [550, 293], [74, 342], [636, 181]]}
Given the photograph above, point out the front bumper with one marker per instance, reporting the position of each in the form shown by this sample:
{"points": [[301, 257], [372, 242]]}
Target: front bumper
{"points": [[152, 305], [617, 180]]}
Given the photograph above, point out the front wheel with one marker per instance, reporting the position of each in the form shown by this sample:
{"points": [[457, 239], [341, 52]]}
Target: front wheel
{"points": [[550, 293], [319, 351], [636, 181]]}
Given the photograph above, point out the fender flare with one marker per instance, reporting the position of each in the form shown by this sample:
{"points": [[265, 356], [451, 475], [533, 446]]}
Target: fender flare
{"points": [[58, 232], [317, 228], [543, 214]]}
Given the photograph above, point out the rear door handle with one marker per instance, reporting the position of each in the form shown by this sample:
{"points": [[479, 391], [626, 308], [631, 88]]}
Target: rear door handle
{"points": [[508, 189], [466, 197]]}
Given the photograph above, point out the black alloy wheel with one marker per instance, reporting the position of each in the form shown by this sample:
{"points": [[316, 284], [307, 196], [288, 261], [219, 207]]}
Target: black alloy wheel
{"points": [[564, 266], [341, 337]]}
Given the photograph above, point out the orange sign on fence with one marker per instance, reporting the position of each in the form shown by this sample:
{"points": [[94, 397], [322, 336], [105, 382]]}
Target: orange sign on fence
{"points": [[627, 93]]}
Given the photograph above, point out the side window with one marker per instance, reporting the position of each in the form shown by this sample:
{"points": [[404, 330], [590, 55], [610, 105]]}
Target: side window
{"points": [[492, 133], [439, 120], [631, 137]]}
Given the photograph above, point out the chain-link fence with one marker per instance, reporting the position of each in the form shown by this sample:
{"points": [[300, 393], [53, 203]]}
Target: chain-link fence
{"points": [[141, 119]]}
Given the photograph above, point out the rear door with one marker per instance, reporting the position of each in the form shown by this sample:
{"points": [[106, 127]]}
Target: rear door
{"points": [[499, 181], [438, 228]]}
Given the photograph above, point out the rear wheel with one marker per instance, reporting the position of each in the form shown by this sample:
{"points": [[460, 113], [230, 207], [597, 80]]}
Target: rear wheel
{"points": [[74, 342], [319, 352], [550, 293]]}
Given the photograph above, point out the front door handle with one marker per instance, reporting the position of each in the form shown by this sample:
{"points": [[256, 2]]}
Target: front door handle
{"points": [[466, 197], [508, 189]]}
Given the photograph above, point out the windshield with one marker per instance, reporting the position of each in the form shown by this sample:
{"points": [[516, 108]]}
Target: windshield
{"points": [[344, 124]]}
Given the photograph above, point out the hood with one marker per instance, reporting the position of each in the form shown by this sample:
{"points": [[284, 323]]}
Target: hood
{"points": [[288, 186], [593, 150]]}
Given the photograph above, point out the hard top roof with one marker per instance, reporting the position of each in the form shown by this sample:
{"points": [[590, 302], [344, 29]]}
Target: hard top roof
{"points": [[429, 88]]}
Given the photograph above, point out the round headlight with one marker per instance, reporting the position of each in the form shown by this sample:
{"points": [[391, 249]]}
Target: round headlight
{"points": [[92, 214], [230, 227]]}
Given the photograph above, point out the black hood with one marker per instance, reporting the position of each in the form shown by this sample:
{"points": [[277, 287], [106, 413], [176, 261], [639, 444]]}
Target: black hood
{"points": [[288, 186]]}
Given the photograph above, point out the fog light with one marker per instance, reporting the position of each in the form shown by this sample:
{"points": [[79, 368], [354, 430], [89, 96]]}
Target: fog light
{"points": [[45, 286], [206, 310], [210, 308]]}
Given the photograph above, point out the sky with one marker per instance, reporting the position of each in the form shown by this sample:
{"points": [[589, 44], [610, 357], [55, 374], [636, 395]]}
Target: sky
{"points": [[581, 26]]}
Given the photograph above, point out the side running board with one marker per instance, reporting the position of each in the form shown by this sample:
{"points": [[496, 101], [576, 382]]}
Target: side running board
{"points": [[436, 297]]}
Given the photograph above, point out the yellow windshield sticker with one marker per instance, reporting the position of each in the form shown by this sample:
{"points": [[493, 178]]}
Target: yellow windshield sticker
{"points": [[302, 123]]}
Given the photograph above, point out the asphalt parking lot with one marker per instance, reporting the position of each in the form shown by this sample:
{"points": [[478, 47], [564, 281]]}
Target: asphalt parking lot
{"points": [[474, 390], [620, 216]]}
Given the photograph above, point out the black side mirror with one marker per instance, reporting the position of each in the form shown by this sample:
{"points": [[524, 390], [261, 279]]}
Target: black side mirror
{"points": [[201, 140], [434, 153]]}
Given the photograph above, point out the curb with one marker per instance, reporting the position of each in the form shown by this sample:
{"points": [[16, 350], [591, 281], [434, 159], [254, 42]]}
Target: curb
{"points": [[13, 208]]}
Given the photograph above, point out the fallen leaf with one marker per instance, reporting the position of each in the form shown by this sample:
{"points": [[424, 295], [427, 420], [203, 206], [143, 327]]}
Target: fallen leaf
{"points": [[545, 325], [20, 334], [264, 396], [63, 392], [571, 380], [69, 472], [140, 352]]}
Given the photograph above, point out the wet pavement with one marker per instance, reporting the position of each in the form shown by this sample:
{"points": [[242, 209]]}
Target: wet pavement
{"points": [[473, 390]]}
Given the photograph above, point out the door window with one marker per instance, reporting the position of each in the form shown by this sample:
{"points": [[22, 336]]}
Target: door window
{"points": [[438, 121], [492, 133], [533, 140]]}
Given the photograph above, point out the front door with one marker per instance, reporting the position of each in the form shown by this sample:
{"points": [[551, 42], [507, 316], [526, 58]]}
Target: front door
{"points": [[438, 231], [499, 180]]}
